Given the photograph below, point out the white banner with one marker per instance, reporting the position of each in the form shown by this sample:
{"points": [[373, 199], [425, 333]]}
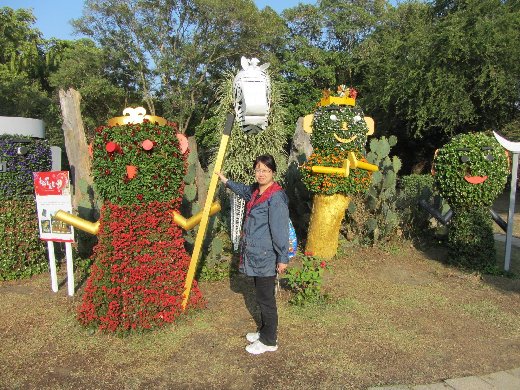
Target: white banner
{"points": [[52, 191]]}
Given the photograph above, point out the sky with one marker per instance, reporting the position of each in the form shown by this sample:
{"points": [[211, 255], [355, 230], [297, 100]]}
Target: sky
{"points": [[53, 16]]}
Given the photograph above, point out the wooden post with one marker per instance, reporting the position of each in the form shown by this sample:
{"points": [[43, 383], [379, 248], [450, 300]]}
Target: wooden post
{"points": [[75, 143]]}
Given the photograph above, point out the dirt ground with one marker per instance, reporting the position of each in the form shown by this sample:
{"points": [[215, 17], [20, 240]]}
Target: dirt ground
{"points": [[398, 315]]}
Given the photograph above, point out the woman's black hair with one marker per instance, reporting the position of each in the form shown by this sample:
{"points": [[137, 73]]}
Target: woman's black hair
{"points": [[267, 160]]}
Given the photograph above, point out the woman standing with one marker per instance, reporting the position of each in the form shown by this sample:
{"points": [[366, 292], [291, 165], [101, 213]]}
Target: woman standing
{"points": [[263, 245]]}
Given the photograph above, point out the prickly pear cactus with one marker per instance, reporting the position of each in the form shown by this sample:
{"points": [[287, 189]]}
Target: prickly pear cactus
{"points": [[382, 195]]}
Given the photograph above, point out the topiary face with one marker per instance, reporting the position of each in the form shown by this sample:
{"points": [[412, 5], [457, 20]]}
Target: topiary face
{"points": [[339, 128], [151, 150], [471, 170]]}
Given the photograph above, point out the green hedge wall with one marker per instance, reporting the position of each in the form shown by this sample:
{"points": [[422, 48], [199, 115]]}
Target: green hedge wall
{"points": [[22, 253]]}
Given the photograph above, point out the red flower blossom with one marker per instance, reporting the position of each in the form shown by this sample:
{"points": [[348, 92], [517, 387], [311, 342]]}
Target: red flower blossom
{"points": [[137, 279]]}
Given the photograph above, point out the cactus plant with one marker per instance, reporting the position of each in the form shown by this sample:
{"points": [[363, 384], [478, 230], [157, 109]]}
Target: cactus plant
{"points": [[381, 219]]}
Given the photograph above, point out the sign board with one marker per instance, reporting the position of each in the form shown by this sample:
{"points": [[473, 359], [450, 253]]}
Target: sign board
{"points": [[52, 191]]}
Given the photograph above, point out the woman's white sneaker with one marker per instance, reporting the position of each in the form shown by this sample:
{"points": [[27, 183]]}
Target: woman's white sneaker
{"points": [[258, 347], [252, 337]]}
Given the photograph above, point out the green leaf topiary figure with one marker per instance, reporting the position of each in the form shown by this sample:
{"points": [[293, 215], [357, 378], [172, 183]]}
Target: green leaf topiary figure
{"points": [[470, 172], [337, 167]]}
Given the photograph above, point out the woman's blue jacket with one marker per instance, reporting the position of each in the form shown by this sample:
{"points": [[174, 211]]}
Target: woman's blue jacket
{"points": [[265, 232]]}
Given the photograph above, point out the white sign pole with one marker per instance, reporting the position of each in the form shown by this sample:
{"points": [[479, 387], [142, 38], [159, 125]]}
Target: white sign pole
{"points": [[70, 269], [513, 147], [52, 266], [511, 214], [52, 190]]}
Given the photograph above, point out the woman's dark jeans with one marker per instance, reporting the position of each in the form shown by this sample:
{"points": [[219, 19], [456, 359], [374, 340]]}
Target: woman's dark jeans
{"points": [[264, 288]]}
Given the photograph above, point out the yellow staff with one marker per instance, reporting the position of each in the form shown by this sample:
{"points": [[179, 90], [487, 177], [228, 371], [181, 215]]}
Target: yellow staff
{"points": [[207, 207]]}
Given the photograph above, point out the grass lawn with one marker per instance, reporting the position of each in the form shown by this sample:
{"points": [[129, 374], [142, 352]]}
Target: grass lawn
{"points": [[398, 315]]}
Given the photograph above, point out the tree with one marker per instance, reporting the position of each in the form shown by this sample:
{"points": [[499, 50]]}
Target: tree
{"points": [[177, 50], [436, 70], [320, 45], [85, 67], [21, 93]]}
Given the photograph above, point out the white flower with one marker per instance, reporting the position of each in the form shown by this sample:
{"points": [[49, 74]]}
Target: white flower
{"points": [[357, 118], [333, 118]]}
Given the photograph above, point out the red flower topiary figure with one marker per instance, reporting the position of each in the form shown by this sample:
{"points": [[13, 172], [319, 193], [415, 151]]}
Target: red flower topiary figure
{"points": [[140, 264]]}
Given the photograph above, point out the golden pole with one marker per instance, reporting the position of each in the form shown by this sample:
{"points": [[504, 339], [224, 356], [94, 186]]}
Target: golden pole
{"points": [[77, 222], [190, 223], [207, 206]]}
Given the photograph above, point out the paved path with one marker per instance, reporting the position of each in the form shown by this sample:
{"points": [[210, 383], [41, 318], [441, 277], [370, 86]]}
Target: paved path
{"points": [[503, 380]]}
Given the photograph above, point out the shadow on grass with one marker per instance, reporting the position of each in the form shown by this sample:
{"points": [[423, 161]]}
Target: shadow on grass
{"points": [[241, 284], [436, 249]]}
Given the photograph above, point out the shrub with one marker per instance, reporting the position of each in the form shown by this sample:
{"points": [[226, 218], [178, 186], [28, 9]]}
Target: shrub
{"points": [[415, 220], [471, 156], [470, 172], [22, 253], [470, 240], [17, 181], [306, 281]]}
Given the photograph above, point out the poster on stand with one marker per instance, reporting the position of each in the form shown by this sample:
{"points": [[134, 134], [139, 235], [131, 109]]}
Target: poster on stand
{"points": [[52, 190]]}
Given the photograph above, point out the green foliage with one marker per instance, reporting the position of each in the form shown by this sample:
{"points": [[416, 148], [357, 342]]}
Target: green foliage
{"points": [[469, 156], [178, 51], [329, 123], [435, 69], [317, 183], [22, 253], [458, 165], [511, 131], [319, 50], [382, 196], [214, 266], [306, 281], [415, 220], [20, 95], [86, 68], [374, 217], [244, 148], [150, 184], [470, 239], [19, 43]]}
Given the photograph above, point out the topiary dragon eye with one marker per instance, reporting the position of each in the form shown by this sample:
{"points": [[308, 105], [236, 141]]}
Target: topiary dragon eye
{"points": [[489, 156]]}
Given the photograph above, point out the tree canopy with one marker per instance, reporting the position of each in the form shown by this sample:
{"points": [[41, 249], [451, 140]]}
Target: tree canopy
{"points": [[178, 50], [426, 70]]}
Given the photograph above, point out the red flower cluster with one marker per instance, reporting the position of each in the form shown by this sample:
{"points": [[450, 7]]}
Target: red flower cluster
{"points": [[137, 280]]}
